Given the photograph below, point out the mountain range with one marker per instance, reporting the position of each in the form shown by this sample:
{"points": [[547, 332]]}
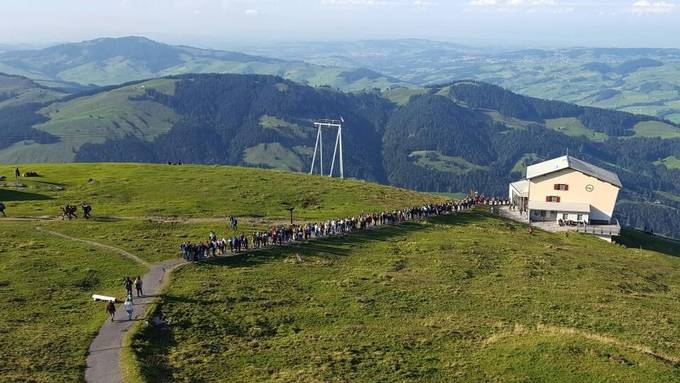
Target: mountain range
{"points": [[112, 61], [453, 138], [642, 80]]}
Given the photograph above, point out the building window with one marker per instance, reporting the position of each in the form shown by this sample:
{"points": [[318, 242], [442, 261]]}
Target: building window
{"points": [[579, 217], [563, 187], [552, 198], [565, 216], [542, 213]]}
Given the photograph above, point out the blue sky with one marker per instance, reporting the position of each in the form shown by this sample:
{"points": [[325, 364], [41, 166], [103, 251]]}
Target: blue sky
{"points": [[225, 23]]}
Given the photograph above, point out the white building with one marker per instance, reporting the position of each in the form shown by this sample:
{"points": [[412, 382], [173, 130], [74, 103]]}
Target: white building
{"points": [[566, 189]]}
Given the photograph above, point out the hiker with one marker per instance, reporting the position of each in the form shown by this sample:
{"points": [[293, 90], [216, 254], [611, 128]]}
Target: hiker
{"points": [[531, 230], [138, 286], [17, 173], [2, 209], [111, 309], [87, 209], [69, 211], [127, 282], [128, 308]]}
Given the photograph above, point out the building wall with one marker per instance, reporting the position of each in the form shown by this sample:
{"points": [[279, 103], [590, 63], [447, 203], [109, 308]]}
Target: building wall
{"points": [[602, 199], [556, 215]]}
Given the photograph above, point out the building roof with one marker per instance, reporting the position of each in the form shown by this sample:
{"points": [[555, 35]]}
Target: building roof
{"points": [[568, 162], [567, 207], [521, 187]]}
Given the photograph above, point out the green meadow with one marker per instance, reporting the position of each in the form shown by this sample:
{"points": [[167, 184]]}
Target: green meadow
{"points": [[137, 190], [464, 298], [47, 318], [468, 298]]}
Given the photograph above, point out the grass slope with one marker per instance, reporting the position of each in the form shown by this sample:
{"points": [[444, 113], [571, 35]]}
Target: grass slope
{"points": [[94, 119], [47, 318], [573, 127], [656, 129], [134, 190], [435, 160], [464, 298], [670, 162], [16, 90]]}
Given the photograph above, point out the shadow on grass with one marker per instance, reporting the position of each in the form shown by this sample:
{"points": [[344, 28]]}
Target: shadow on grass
{"points": [[16, 195], [637, 239], [105, 219]]}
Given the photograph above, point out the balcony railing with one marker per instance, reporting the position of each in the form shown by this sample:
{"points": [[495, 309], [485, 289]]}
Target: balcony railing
{"points": [[612, 229]]}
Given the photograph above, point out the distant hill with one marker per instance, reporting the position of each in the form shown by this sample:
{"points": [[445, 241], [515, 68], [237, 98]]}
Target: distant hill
{"points": [[454, 138], [645, 80], [18, 90], [111, 61]]}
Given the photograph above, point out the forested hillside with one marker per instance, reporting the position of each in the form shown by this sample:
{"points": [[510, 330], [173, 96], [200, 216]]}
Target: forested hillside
{"points": [[454, 138]]}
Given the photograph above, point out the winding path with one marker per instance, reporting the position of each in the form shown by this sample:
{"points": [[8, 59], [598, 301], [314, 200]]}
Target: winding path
{"points": [[103, 358]]}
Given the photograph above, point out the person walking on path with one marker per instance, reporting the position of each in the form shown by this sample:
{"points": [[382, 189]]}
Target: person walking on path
{"points": [[17, 174], [111, 309], [128, 286], [128, 308], [2, 209], [138, 286], [87, 209]]}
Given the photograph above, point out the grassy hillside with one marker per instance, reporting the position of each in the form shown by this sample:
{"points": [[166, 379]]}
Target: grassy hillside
{"points": [[145, 190], [111, 61], [17, 90], [636, 239], [340, 304], [46, 317], [469, 298]]}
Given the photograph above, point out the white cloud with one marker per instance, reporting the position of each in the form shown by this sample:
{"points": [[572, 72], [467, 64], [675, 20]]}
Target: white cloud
{"points": [[530, 6], [252, 12], [424, 3], [642, 7], [356, 2], [484, 3], [513, 3]]}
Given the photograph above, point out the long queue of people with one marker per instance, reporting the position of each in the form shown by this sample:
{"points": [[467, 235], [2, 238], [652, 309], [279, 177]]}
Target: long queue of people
{"points": [[284, 234]]}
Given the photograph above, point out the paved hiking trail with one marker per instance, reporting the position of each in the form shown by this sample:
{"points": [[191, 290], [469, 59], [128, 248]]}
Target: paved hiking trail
{"points": [[103, 359]]}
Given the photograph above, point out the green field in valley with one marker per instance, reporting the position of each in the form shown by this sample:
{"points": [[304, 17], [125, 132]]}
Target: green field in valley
{"points": [[437, 161], [670, 162], [574, 127], [656, 129]]}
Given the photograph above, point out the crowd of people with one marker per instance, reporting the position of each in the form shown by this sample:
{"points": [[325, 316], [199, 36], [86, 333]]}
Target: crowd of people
{"points": [[282, 234]]}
